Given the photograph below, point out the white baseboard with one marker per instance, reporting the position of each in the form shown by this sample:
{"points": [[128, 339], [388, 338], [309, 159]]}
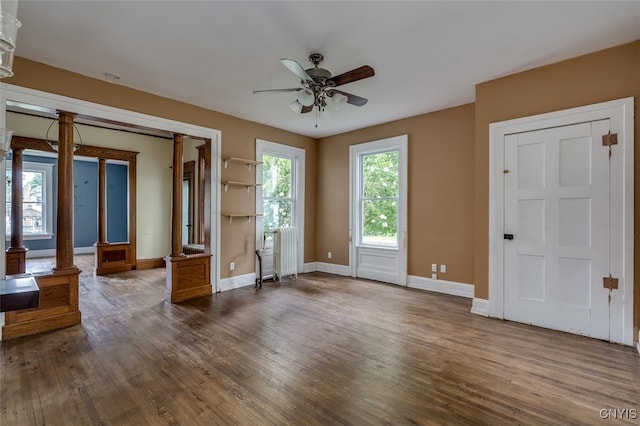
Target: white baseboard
{"points": [[441, 286], [52, 252], [309, 267], [237, 282], [332, 268], [480, 307]]}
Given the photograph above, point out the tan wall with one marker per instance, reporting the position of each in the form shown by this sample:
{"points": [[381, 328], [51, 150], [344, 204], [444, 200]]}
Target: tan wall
{"points": [[448, 158], [602, 76], [440, 216], [238, 140]]}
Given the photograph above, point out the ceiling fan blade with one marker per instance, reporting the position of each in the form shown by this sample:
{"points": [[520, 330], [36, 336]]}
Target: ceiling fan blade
{"points": [[306, 109], [364, 71], [353, 99], [297, 69], [293, 89]]}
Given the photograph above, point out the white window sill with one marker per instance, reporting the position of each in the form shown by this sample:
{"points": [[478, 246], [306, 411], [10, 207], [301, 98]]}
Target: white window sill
{"points": [[377, 247], [33, 237]]}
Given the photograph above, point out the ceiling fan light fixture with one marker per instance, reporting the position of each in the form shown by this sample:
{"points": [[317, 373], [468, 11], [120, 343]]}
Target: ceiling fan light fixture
{"points": [[306, 98], [9, 24], [339, 100], [6, 63], [296, 107], [55, 144], [5, 142]]}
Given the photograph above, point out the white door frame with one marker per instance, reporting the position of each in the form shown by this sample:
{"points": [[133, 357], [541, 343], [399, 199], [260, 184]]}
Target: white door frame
{"points": [[620, 114], [401, 143], [52, 101]]}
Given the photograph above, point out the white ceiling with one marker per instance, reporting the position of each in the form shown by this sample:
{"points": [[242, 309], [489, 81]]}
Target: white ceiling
{"points": [[426, 55]]}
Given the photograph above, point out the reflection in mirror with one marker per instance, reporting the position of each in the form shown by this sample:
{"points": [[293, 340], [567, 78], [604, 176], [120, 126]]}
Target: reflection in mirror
{"points": [[194, 196]]}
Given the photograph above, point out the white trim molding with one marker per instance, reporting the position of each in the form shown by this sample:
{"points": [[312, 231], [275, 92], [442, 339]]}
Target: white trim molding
{"points": [[238, 281], [332, 268], [441, 286], [390, 262], [309, 267], [480, 307], [620, 113]]}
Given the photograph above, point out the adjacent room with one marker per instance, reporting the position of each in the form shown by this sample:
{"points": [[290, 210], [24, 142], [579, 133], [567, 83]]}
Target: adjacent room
{"points": [[322, 212]]}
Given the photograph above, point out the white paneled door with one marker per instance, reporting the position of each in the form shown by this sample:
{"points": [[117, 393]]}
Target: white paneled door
{"points": [[557, 228]]}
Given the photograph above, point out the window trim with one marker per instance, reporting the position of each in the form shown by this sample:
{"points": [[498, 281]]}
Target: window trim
{"points": [[399, 274], [297, 190], [47, 169]]}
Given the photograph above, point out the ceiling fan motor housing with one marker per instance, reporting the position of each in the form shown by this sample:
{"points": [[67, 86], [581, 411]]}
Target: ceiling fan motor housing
{"points": [[319, 75]]}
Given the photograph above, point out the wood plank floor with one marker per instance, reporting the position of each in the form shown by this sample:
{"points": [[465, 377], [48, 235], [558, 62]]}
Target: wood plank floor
{"points": [[319, 350]]}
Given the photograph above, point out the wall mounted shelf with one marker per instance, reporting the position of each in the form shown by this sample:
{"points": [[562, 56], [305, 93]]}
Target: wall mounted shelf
{"points": [[235, 215], [248, 163], [247, 185]]}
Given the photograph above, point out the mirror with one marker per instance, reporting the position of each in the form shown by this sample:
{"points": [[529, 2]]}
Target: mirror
{"points": [[195, 196]]}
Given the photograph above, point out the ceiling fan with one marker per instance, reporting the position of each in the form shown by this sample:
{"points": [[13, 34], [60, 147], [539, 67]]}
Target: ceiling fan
{"points": [[319, 86]]}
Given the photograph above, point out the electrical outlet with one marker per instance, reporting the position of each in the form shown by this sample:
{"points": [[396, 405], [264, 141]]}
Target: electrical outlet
{"points": [[232, 266], [329, 255], [434, 267], [434, 276], [443, 269]]}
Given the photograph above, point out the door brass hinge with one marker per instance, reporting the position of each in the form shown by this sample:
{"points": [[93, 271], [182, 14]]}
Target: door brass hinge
{"points": [[610, 139], [610, 283]]}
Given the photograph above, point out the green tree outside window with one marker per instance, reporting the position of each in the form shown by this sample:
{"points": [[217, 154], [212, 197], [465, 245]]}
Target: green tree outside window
{"points": [[277, 189], [380, 183]]}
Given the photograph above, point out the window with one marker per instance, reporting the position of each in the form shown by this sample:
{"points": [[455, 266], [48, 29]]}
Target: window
{"points": [[37, 218], [280, 196], [379, 198], [278, 206]]}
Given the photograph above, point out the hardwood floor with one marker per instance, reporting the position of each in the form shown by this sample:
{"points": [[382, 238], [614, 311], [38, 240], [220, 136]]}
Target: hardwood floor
{"points": [[319, 350]]}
